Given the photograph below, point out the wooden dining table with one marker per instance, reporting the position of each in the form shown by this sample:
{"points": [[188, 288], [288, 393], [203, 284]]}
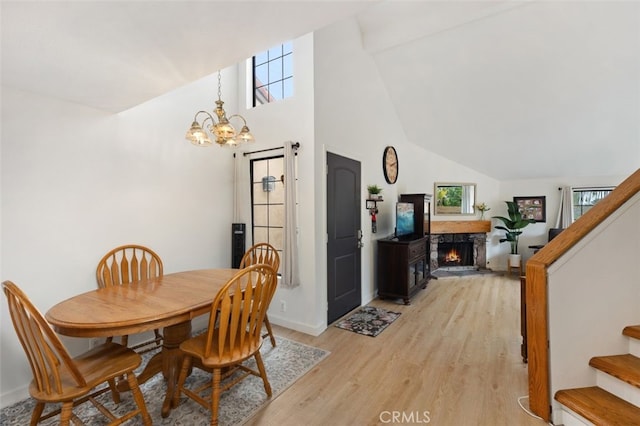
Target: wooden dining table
{"points": [[170, 302]]}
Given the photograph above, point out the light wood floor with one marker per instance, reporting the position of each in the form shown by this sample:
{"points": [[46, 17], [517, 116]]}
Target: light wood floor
{"points": [[451, 358]]}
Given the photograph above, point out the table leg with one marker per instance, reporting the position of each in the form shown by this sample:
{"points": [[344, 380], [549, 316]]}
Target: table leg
{"points": [[173, 336], [153, 367], [166, 361]]}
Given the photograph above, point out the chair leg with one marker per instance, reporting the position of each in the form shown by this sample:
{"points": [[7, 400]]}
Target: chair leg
{"points": [[158, 337], [263, 373], [114, 391], [215, 395], [124, 341], [184, 372], [37, 412], [269, 331], [138, 398], [65, 413]]}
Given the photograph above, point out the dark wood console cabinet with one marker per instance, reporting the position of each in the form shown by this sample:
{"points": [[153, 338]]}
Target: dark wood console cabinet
{"points": [[403, 267]]}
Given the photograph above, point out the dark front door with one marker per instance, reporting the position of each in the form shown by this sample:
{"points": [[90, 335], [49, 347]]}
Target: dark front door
{"points": [[344, 234]]}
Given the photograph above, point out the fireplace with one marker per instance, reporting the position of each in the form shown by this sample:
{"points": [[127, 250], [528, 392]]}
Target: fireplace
{"points": [[458, 251], [455, 254]]}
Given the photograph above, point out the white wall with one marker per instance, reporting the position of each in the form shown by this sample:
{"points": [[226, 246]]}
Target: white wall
{"points": [[537, 233], [604, 266], [354, 118], [77, 182], [273, 124]]}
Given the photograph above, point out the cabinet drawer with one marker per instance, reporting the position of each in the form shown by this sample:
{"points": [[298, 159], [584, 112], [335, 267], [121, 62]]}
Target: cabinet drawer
{"points": [[416, 250]]}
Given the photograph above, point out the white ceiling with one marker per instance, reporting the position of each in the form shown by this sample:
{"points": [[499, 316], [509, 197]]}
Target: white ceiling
{"points": [[512, 89], [114, 55]]}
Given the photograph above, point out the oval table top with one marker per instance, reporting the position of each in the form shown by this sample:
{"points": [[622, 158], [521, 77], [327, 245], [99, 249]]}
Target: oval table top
{"points": [[140, 306]]}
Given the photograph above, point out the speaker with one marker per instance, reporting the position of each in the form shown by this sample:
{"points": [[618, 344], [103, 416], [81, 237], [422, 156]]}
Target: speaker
{"points": [[238, 231]]}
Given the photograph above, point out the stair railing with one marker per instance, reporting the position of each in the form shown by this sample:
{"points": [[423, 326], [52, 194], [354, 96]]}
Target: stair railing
{"points": [[536, 293]]}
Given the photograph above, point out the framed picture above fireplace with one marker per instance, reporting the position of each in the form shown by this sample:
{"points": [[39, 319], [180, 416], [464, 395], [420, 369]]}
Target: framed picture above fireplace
{"points": [[532, 207]]}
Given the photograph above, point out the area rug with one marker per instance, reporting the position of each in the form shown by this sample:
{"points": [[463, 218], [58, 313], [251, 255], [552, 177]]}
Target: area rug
{"points": [[368, 320], [285, 364]]}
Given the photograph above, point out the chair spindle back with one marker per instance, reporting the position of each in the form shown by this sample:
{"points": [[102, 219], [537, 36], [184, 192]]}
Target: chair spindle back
{"points": [[261, 253], [46, 354], [238, 311], [126, 264]]}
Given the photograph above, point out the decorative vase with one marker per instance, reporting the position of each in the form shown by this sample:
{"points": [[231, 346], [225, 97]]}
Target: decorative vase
{"points": [[482, 215]]}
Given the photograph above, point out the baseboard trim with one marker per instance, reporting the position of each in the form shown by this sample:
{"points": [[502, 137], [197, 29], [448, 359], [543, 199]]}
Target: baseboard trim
{"points": [[16, 395]]}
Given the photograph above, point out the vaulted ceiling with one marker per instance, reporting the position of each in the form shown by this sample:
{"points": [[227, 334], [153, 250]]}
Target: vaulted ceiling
{"points": [[512, 89]]}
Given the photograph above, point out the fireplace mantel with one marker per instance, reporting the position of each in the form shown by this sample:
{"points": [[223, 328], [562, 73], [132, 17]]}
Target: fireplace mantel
{"points": [[460, 226]]}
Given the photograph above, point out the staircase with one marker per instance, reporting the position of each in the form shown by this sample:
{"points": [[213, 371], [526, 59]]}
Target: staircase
{"points": [[615, 400]]}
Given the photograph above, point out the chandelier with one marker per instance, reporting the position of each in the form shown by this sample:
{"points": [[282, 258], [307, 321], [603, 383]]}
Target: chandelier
{"points": [[221, 128]]}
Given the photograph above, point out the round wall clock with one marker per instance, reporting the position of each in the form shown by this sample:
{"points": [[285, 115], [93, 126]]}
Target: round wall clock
{"points": [[390, 164]]}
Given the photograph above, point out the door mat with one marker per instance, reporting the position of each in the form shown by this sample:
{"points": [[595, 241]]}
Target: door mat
{"points": [[368, 320]]}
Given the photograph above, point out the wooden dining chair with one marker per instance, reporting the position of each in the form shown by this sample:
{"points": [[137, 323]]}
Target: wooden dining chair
{"points": [[127, 264], [233, 335], [59, 378], [263, 253]]}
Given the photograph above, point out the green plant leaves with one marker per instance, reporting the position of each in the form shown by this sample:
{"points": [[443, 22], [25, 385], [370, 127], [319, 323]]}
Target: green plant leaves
{"points": [[513, 225]]}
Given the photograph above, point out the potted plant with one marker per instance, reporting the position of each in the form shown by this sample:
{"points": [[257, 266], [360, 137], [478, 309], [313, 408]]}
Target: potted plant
{"points": [[374, 192], [513, 226]]}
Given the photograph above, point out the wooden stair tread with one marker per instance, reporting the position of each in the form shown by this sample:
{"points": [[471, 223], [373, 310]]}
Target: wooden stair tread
{"points": [[599, 406], [632, 331], [624, 367]]}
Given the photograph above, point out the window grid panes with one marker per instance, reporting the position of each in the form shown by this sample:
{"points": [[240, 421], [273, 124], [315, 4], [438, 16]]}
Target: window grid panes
{"points": [[585, 198], [273, 74], [267, 201]]}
